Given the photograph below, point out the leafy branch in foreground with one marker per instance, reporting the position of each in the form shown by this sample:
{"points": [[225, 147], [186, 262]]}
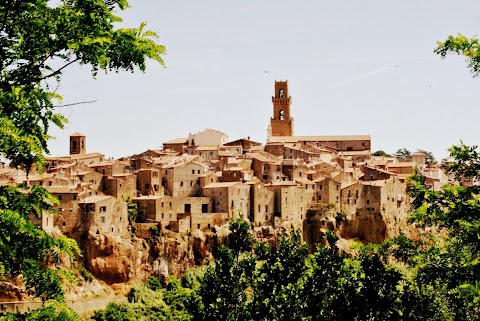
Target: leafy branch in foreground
{"points": [[38, 41], [461, 45]]}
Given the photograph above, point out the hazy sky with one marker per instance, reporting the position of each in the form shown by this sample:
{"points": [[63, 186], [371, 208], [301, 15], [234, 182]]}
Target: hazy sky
{"points": [[353, 67]]}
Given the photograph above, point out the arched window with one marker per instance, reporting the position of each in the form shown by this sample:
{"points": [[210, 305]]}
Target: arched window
{"points": [[280, 93], [281, 116]]}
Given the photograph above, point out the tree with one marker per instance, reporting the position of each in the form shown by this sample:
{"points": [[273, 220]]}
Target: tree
{"points": [[450, 264], [461, 45], [403, 154], [381, 153], [38, 41], [240, 240], [429, 158]]}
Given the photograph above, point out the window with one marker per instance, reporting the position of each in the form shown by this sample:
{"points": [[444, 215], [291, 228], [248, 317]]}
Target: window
{"points": [[198, 226], [193, 171], [266, 208], [259, 209], [280, 93], [103, 208], [231, 204], [198, 171], [162, 204], [102, 219], [59, 197], [348, 193], [181, 183], [163, 216], [368, 201], [187, 208], [191, 183], [211, 153], [155, 174], [281, 115], [204, 208]]}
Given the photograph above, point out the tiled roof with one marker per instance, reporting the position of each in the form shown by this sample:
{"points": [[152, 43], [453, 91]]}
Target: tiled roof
{"points": [[292, 139]]}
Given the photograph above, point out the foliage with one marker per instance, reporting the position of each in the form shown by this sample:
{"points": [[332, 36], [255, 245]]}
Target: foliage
{"points": [[50, 311], [153, 283], [146, 304], [339, 217], [429, 158], [38, 40], [240, 239], [381, 153], [132, 210], [24, 248], [450, 264], [403, 154], [461, 45]]}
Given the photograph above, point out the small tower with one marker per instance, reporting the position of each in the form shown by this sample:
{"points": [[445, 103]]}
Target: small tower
{"points": [[281, 124], [77, 143]]}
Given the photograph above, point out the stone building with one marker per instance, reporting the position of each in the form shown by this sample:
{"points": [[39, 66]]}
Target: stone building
{"points": [[290, 203], [263, 204], [208, 137], [149, 181], [229, 197], [182, 178], [104, 214]]}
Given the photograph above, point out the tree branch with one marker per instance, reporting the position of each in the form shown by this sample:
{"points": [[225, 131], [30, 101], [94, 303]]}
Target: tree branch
{"points": [[58, 71]]}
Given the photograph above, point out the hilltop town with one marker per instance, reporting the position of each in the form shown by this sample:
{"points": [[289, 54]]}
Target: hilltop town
{"points": [[195, 184]]}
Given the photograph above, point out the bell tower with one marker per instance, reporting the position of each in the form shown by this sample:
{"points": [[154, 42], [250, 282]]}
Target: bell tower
{"points": [[281, 124], [77, 144]]}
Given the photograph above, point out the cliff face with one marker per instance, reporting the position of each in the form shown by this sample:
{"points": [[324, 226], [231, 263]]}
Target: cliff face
{"points": [[364, 227], [116, 260]]}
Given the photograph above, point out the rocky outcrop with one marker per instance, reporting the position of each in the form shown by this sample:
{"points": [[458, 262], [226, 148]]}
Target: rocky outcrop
{"points": [[112, 260]]}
